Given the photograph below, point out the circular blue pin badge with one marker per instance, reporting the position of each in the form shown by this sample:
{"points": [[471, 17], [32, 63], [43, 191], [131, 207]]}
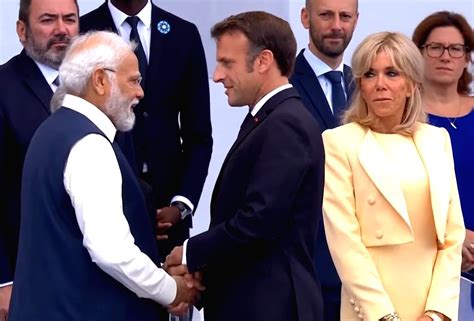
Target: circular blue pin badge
{"points": [[163, 27]]}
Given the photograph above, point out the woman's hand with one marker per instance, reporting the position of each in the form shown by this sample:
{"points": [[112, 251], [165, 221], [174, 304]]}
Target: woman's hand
{"points": [[468, 252]]}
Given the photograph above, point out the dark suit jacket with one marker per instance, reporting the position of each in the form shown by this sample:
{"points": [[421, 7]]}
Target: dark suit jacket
{"points": [[307, 84], [257, 254], [24, 105], [176, 92]]}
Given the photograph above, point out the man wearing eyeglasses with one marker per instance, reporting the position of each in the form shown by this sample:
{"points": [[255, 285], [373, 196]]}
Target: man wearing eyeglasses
{"points": [[87, 251]]}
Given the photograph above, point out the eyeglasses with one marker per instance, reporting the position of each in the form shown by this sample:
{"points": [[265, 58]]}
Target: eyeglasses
{"points": [[436, 50], [135, 80]]}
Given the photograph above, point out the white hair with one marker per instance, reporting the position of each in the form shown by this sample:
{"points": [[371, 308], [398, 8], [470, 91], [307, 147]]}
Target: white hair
{"points": [[82, 59]]}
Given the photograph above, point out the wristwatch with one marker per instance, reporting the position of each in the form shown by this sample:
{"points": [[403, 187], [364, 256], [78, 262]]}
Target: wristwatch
{"points": [[183, 209], [433, 315]]}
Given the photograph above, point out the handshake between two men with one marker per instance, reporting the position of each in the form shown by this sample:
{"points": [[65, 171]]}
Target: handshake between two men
{"points": [[188, 285]]}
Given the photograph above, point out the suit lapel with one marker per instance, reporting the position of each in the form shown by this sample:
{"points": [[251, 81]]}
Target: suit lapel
{"points": [[438, 170], [260, 117], [105, 22], [311, 86], [157, 43], [35, 80], [349, 83], [379, 169]]}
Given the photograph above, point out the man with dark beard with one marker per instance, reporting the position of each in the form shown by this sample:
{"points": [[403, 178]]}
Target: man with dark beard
{"points": [[87, 250], [324, 83], [44, 28]]}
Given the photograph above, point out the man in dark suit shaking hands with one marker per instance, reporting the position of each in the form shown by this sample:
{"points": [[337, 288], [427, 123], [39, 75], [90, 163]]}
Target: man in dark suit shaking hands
{"points": [[325, 85], [256, 257], [27, 82], [172, 136]]}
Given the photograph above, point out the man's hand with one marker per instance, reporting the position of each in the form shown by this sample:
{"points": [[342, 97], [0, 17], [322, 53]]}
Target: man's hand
{"points": [[5, 295], [192, 282], [166, 218], [186, 296], [175, 258], [468, 252]]}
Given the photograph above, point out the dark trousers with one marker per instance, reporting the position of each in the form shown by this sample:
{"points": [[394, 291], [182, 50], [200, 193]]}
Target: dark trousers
{"points": [[332, 303]]}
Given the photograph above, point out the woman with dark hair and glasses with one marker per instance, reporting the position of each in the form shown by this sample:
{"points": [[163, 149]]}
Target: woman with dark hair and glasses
{"points": [[446, 40]]}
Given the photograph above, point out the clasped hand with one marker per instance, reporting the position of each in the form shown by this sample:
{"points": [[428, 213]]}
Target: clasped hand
{"points": [[189, 285], [468, 252]]}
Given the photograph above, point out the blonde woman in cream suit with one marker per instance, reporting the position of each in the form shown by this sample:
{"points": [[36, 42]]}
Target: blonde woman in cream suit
{"points": [[391, 207]]}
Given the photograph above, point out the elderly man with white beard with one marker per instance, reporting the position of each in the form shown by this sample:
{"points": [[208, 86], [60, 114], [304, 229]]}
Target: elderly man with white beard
{"points": [[87, 249]]}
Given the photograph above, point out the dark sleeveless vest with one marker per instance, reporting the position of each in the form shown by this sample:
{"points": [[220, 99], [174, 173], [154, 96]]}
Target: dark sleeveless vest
{"points": [[55, 278]]}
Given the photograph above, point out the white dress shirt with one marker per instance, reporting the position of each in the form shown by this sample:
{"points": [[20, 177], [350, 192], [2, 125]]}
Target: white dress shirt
{"points": [[143, 27], [320, 68], [144, 31], [50, 74], [93, 180], [265, 98]]}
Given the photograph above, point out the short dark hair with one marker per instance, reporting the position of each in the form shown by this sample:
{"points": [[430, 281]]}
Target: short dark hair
{"points": [[264, 31], [24, 11], [448, 19]]}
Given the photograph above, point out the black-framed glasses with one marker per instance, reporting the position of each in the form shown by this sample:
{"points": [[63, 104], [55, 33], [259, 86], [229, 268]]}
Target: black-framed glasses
{"points": [[436, 50], [137, 80]]}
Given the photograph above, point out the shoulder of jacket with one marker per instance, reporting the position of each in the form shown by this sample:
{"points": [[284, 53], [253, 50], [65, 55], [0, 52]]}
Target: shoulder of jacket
{"points": [[352, 129]]}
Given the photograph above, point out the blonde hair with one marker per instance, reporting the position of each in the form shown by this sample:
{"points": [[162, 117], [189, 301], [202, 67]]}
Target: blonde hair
{"points": [[407, 58]]}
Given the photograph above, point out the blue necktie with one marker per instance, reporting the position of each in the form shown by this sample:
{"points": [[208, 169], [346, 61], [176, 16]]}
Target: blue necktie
{"points": [[339, 101], [56, 81], [139, 51]]}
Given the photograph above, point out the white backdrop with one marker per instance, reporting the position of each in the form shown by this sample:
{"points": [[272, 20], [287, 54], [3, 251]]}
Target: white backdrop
{"points": [[375, 15]]}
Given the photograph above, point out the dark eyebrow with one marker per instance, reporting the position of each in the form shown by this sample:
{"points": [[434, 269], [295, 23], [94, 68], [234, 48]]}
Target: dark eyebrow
{"points": [[51, 15], [69, 15]]}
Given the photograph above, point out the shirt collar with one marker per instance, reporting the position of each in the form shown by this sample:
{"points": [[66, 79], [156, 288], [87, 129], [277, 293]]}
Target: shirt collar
{"points": [[265, 98], [119, 16], [320, 67], [49, 73], [93, 113]]}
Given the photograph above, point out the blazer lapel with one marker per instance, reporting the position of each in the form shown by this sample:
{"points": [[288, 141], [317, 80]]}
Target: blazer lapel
{"points": [[259, 118], [349, 83], [438, 170], [311, 86], [378, 167], [106, 22], [35, 80], [157, 44]]}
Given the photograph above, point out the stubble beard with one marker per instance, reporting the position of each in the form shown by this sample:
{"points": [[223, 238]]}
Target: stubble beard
{"points": [[333, 51]]}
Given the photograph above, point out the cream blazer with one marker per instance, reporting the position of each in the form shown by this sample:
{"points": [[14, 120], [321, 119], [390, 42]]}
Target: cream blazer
{"points": [[358, 183]]}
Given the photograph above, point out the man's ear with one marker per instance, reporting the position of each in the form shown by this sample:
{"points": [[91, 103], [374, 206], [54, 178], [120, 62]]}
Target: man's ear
{"points": [[305, 18], [21, 30], [100, 82], [264, 60]]}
